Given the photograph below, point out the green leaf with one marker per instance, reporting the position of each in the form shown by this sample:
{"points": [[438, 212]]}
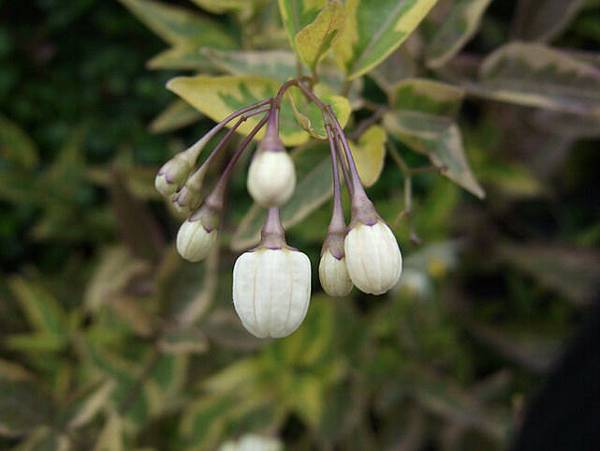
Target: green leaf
{"points": [[44, 439], [16, 146], [184, 340], [42, 310], [369, 154], [217, 97], [538, 76], [243, 7], [310, 116], [373, 30], [543, 20], [275, 64], [312, 191], [296, 14], [111, 436], [573, 272], [456, 29], [427, 96], [177, 115], [439, 138], [179, 26], [316, 38], [87, 405], [181, 57]]}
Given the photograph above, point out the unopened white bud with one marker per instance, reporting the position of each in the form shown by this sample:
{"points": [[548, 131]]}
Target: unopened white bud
{"points": [[333, 275], [271, 178], [172, 174], [194, 241], [373, 257], [271, 290]]}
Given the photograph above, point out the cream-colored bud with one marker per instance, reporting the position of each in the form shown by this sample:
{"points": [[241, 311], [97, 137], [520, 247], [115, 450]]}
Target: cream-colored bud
{"points": [[172, 174], [271, 178], [373, 257], [271, 290], [333, 275], [194, 242]]}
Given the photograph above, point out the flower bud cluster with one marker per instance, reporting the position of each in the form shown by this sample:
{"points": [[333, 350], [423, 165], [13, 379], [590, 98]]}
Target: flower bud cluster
{"points": [[272, 282]]}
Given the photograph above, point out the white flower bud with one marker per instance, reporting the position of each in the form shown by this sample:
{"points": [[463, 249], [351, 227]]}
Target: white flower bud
{"points": [[271, 178], [172, 174], [271, 290], [373, 257], [194, 241], [333, 275]]}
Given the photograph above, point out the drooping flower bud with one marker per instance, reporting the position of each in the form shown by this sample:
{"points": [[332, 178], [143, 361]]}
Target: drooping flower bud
{"points": [[333, 275], [373, 257], [173, 173], [189, 197], [271, 284], [271, 291], [198, 234], [271, 176]]}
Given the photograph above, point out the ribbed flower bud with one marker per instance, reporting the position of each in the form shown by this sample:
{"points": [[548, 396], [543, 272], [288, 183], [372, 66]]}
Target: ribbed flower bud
{"points": [[333, 275], [173, 173], [373, 257], [271, 177], [189, 197], [271, 290], [198, 234]]}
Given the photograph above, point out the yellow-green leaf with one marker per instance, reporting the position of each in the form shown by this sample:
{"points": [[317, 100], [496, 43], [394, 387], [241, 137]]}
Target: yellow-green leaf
{"points": [[456, 29], [178, 25], [538, 76], [111, 436], [217, 97], [296, 14], [315, 39], [309, 116], [243, 7], [427, 96], [178, 114], [439, 138], [86, 406], [374, 29], [181, 57], [276, 64], [369, 154]]}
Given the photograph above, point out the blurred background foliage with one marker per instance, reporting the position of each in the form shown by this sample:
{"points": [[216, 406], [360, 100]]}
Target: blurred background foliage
{"points": [[109, 341]]}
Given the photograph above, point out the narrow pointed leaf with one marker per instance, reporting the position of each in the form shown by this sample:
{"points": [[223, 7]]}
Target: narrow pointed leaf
{"points": [[374, 29], [543, 20], [456, 29], [177, 115], [427, 96]]}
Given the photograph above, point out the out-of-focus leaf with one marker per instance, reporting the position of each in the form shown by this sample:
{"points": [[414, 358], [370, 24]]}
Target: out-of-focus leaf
{"points": [[276, 64], [177, 115], [23, 404], [183, 341], [457, 28], [44, 439], [396, 67], [111, 437], [369, 154], [253, 442], [296, 14], [243, 7], [570, 125], [436, 258], [427, 96], [512, 178], [312, 191], [543, 20], [178, 25], [181, 57], [237, 376], [224, 328], [538, 76], [116, 269], [16, 146], [439, 138], [575, 273], [316, 38], [138, 227], [373, 30], [86, 406], [310, 116], [217, 97], [42, 310]]}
